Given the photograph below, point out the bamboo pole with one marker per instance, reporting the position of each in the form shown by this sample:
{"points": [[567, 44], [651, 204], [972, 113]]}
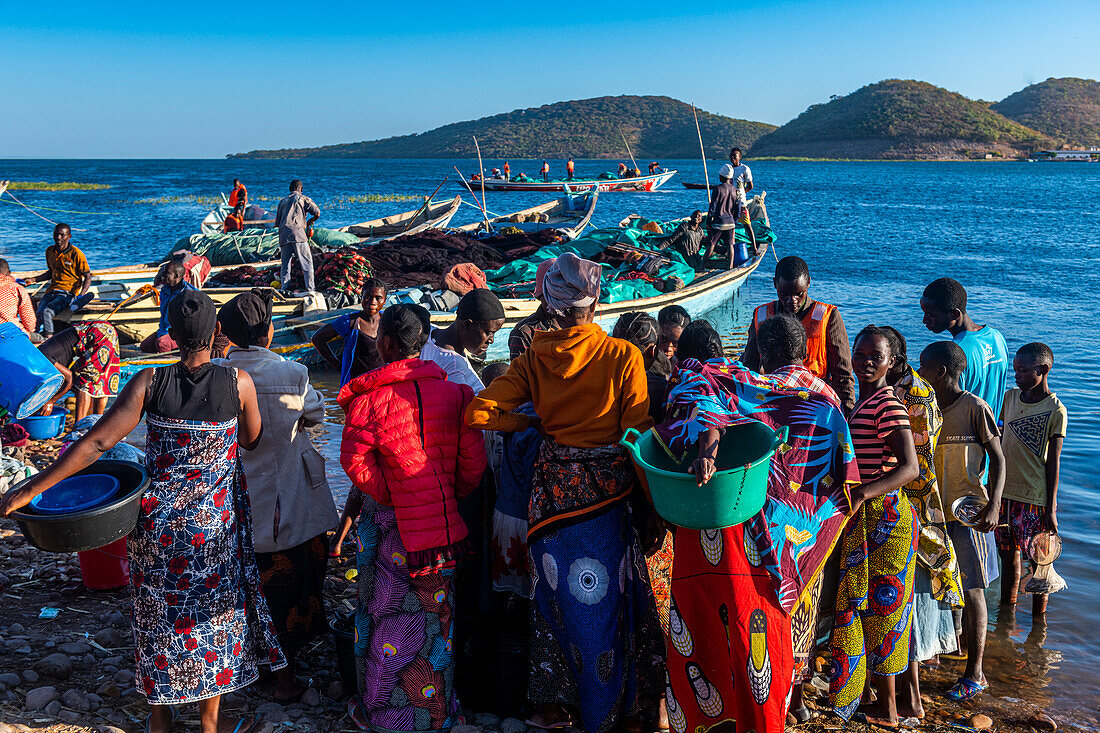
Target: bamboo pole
{"points": [[484, 203], [628, 150], [424, 206], [703, 151]]}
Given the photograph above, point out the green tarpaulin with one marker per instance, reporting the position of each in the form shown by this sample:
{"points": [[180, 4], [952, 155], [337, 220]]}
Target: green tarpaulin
{"points": [[254, 245]]}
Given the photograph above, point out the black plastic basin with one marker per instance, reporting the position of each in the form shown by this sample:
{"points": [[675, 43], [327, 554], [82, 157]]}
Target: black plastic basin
{"points": [[91, 528]]}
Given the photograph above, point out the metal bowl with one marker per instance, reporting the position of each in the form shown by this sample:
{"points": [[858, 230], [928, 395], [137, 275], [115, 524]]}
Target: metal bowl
{"points": [[966, 509], [92, 528]]}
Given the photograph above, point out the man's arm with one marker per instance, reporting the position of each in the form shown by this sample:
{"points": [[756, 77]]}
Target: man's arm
{"points": [[751, 356], [87, 283], [313, 211], [838, 360]]}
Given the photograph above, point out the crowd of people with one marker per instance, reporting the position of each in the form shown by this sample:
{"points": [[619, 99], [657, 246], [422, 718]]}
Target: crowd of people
{"points": [[473, 484]]}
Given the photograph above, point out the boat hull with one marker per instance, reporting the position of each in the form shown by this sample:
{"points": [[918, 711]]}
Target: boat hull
{"points": [[633, 185]]}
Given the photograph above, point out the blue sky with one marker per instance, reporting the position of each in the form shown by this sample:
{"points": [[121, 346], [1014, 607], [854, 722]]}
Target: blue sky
{"points": [[199, 79]]}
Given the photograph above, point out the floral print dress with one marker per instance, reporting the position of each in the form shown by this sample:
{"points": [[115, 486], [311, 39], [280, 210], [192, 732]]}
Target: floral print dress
{"points": [[200, 622]]}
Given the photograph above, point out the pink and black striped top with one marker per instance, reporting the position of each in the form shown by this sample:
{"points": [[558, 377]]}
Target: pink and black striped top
{"points": [[871, 422]]}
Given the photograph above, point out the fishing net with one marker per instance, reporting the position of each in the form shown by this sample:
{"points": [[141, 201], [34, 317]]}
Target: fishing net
{"points": [[254, 245]]}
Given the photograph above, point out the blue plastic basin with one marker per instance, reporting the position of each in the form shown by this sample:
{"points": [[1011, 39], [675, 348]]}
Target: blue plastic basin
{"points": [[44, 427], [76, 494]]}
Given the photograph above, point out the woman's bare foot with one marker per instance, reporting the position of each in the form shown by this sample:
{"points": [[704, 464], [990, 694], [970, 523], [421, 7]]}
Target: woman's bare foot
{"points": [[877, 714], [549, 716]]}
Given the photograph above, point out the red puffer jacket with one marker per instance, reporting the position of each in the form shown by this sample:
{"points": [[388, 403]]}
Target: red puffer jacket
{"points": [[406, 445]]}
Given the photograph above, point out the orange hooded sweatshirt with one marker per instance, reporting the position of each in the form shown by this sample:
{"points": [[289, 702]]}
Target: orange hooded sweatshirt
{"points": [[587, 387]]}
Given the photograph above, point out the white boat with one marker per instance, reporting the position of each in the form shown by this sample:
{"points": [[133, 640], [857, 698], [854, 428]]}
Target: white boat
{"points": [[569, 214]]}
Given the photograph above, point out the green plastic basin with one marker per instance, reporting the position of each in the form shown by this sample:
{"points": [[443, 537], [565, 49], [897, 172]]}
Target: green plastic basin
{"points": [[734, 494]]}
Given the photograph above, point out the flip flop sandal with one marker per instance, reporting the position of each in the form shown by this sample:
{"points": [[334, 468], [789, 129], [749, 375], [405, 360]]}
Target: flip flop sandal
{"points": [[879, 722], [566, 723], [954, 656], [173, 716], [356, 717], [803, 715], [966, 689]]}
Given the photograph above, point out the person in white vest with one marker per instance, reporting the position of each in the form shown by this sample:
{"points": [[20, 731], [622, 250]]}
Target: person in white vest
{"points": [[292, 505]]}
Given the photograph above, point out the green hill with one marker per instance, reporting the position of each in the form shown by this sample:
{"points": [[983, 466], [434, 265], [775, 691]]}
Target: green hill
{"points": [[1068, 109], [899, 119], [656, 127]]}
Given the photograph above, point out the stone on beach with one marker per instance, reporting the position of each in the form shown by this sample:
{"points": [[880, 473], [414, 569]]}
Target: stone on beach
{"points": [[108, 638], [10, 679], [56, 665], [1042, 722], [40, 697], [512, 725], [76, 700], [272, 712], [981, 722]]}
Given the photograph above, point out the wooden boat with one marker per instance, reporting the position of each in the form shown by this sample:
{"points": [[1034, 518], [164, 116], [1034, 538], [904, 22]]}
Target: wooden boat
{"points": [[697, 186], [118, 283], [578, 185], [569, 214]]}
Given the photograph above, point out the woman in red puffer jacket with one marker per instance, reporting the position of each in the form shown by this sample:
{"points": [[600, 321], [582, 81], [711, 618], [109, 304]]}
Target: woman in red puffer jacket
{"points": [[407, 448]]}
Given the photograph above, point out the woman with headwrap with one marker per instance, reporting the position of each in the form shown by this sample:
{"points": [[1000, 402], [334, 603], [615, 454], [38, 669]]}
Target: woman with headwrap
{"points": [[595, 639], [200, 621], [292, 505]]}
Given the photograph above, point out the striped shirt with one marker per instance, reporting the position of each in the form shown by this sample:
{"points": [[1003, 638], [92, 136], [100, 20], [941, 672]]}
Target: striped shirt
{"points": [[871, 423]]}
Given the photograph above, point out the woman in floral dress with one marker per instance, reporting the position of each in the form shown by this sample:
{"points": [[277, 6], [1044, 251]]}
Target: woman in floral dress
{"points": [[200, 622]]}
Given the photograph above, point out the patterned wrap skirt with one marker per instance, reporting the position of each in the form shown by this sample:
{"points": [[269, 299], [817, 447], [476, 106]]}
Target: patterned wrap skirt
{"points": [[873, 625], [293, 581], [404, 633], [96, 371], [595, 638], [729, 644], [200, 621]]}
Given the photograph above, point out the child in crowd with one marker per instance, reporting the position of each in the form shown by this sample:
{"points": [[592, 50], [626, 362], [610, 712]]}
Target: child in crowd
{"points": [[968, 439], [642, 330], [873, 625], [410, 456], [1034, 421], [672, 319], [360, 334]]}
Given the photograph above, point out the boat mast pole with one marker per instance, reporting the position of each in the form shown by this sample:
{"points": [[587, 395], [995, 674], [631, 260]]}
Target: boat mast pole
{"points": [[702, 150], [481, 167], [628, 150]]}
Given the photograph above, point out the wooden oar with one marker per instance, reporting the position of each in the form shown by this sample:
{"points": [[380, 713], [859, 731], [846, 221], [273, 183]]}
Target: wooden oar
{"points": [[703, 151], [628, 150], [425, 205], [144, 292], [484, 203]]}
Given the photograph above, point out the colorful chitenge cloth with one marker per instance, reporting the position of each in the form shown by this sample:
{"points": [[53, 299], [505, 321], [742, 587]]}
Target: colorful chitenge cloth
{"points": [[201, 624], [96, 370], [595, 642], [519, 451], [761, 579], [873, 622], [293, 581], [404, 633], [934, 549]]}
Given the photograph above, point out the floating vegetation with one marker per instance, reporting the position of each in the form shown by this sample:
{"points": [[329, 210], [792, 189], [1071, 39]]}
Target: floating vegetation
{"points": [[59, 186], [212, 201]]}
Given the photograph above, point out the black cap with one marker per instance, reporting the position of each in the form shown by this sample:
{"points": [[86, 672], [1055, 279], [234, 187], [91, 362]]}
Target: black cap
{"points": [[480, 305], [246, 318], [191, 315]]}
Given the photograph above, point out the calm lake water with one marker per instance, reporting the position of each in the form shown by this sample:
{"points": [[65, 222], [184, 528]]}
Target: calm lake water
{"points": [[1023, 238]]}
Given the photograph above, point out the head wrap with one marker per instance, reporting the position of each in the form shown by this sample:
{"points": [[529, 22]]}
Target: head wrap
{"points": [[480, 305], [245, 319], [540, 273], [726, 172], [192, 315], [570, 283]]}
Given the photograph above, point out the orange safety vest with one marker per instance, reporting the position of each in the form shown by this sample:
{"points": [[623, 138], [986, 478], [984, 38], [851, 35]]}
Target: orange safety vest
{"points": [[569, 166], [816, 321], [235, 194]]}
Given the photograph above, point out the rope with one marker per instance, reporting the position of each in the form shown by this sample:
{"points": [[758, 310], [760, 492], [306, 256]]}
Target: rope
{"points": [[467, 203], [63, 211], [51, 221]]}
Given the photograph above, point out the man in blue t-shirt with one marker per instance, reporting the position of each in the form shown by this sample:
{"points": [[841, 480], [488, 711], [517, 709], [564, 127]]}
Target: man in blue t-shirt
{"points": [[987, 362], [172, 282]]}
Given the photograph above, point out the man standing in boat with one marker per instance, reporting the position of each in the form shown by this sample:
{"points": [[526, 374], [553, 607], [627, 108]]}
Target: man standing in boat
{"points": [[569, 169], [290, 217], [239, 194], [545, 171], [727, 210], [828, 355], [507, 171]]}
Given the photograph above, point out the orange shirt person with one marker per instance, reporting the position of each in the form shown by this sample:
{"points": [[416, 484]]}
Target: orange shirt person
{"points": [[569, 169], [507, 172], [234, 222], [239, 194]]}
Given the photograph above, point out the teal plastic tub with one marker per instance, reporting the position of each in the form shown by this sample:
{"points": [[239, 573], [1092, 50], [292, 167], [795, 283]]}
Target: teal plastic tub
{"points": [[734, 494]]}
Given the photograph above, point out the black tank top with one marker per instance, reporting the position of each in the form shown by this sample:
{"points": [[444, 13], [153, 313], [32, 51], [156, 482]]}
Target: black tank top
{"points": [[208, 393]]}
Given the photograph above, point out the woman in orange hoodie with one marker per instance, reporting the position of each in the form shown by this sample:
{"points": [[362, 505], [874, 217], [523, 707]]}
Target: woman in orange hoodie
{"points": [[595, 640]]}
